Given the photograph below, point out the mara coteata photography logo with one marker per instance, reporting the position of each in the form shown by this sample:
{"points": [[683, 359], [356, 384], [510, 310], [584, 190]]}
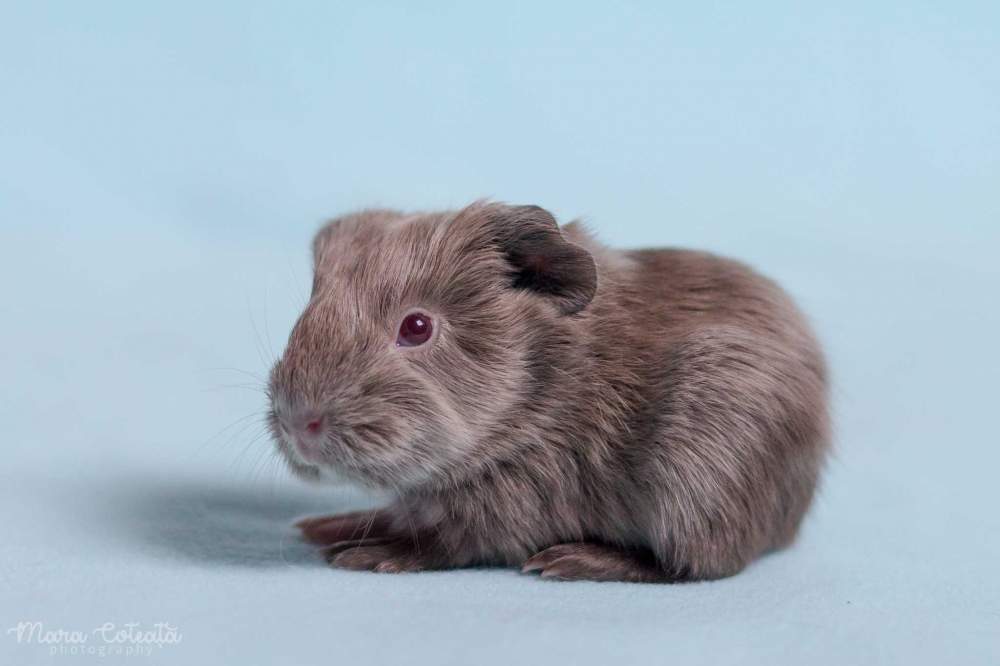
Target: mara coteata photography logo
{"points": [[110, 638]]}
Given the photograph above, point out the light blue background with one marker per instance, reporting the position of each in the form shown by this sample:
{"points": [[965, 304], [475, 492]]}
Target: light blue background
{"points": [[162, 169]]}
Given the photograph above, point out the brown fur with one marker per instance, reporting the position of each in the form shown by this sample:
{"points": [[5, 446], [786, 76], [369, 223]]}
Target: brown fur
{"points": [[612, 415]]}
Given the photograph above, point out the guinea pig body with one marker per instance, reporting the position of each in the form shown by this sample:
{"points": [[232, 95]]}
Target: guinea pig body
{"points": [[532, 398]]}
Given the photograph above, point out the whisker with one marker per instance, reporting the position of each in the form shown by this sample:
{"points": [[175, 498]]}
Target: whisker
{"points": [[256, 388], [267, 333], [259, 343], [303, 296], [239, 459], [252, 375], [409, 520], [242, 422]]}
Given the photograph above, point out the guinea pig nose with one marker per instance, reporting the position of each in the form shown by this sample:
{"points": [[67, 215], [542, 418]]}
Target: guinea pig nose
{"points": [[313, 427]]}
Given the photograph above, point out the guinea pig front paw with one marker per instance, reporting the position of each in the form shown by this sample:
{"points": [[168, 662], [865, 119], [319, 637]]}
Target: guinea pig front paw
{"points": [[596, 562], [328, 530], [379, 555]]}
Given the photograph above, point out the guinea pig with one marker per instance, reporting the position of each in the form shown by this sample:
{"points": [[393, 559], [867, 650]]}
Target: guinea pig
{"points": [[529, 397]]}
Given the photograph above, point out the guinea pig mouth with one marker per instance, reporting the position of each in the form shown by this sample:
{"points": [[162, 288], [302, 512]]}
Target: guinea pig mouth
{"points": [[320, 463], [298, 465]]}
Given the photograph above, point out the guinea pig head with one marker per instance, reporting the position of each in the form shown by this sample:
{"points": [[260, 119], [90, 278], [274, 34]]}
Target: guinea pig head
{"points": [[420, 339]]}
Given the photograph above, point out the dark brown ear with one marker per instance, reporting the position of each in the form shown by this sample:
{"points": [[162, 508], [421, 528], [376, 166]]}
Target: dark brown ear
{"points": [[541, 258]]}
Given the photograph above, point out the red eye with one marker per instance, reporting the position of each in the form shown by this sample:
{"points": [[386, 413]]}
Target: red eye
{"points": [[415, 329]]}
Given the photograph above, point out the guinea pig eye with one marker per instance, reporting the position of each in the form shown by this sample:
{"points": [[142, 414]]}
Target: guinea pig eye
{"points": [[414, 330]]}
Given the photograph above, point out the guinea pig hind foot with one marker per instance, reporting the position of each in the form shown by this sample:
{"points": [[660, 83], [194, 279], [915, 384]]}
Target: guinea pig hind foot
{"points": [[380, 556], [596, 562]]}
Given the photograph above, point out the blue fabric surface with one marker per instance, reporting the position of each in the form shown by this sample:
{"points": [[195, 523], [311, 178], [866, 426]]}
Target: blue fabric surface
{"points": [[162, 170]]}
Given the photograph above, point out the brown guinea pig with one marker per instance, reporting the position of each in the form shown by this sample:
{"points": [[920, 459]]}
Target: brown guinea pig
{"points": [[533, 398]]}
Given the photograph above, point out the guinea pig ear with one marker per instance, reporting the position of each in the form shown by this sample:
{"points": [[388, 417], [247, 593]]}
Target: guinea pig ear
{"points": [[543, 260]]}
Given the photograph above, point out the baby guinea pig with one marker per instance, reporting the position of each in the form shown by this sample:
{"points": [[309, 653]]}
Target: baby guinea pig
{"points": [[532, 398]]}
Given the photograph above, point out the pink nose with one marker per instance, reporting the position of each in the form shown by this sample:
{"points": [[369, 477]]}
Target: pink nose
{"points": [[314, 426]]}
